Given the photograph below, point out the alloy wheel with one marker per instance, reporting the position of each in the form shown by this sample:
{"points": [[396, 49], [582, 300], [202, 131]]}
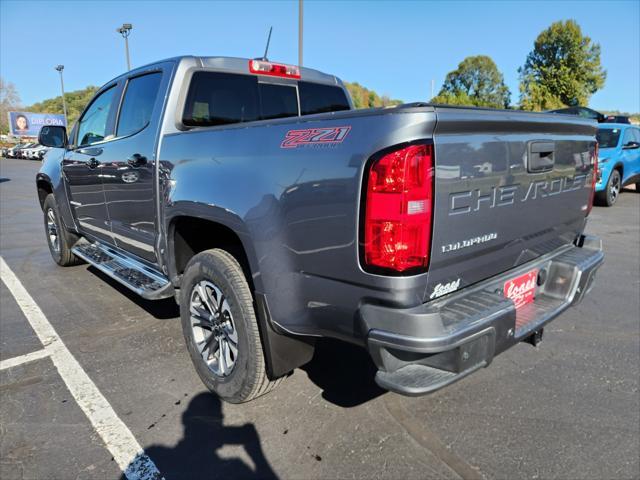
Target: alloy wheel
{"points": [[213, 329], [614, 189], [52, 231]]}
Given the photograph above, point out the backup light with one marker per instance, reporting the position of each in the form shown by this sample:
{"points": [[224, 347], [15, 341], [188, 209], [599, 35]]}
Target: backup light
{"points": [[262, 67], [399, 209]]}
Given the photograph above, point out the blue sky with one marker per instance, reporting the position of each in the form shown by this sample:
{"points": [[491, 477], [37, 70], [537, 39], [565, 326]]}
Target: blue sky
{"points": [[396, 48]]}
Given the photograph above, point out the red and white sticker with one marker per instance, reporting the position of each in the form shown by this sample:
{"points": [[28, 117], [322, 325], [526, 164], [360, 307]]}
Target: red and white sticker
{"points": [[521, 289], [314, 136]]}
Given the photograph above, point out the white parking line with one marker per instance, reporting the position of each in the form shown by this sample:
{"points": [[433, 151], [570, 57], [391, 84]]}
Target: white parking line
{"points": [[124, 447], [29, 357]]}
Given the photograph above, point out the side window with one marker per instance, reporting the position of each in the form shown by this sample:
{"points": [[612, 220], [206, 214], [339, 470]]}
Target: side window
{"points": [[318, 98], [277, 101], [137, 106], [220, 99], [92, 127], [628, 136], [636, 135]]}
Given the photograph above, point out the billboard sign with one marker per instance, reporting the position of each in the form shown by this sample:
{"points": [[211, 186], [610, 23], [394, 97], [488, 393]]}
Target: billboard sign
{"points": [[27, 124]]}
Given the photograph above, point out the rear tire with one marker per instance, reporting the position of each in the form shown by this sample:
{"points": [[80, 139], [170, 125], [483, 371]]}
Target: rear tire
{"points": [[220, 328], [59, 239], [610, 194]]}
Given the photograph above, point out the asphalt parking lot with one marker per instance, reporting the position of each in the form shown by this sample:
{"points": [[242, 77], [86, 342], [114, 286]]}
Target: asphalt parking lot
{"points": [[569, 408]]}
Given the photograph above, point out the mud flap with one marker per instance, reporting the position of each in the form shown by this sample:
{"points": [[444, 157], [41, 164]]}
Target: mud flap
{"points": [[283, 353]]}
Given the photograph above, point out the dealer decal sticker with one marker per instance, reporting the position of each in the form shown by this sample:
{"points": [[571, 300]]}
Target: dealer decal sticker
{"points": [[315, 137]]}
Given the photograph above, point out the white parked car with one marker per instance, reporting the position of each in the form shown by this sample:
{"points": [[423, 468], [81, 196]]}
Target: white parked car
{"points": [[35, 153], [18, 150]]}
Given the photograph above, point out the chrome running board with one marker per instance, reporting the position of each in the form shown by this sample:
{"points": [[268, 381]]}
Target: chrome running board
{"points": [[144, 281]]}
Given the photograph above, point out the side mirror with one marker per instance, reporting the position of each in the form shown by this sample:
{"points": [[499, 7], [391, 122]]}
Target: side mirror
{"points": [[53, 136], [631, 146]]}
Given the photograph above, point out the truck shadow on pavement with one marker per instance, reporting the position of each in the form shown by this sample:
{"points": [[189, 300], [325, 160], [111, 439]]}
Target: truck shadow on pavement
{"points": [[196, 456], [344, 372], [160, 309]]}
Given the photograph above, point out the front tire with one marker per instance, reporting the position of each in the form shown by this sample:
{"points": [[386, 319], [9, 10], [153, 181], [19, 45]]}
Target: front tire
{"points": [[59, 239], [220, 328], [610, 194]]}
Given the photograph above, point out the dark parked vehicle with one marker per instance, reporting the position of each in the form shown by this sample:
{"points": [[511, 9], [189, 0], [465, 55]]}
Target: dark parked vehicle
{"points": [[434, 237], [583, 112], [586, 112], [617, 119]]}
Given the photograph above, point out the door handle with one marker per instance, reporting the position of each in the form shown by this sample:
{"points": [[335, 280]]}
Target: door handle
{"points": [[93, 163], [90, 151], [541, 157], [137, 160]]}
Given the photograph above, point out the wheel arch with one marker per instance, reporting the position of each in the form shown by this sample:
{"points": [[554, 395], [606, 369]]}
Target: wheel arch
{"points": [[189, 234], [620, 167], [44, 187], [283, 353]]}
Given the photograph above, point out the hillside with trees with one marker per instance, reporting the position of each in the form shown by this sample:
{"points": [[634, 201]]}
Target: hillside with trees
{"points": [[364, 98], [76, 101]]}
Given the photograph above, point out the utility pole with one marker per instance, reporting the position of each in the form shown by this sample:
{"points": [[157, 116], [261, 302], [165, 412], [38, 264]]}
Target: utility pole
{"points": [[300, 25], [125, 31], [60, 68]]}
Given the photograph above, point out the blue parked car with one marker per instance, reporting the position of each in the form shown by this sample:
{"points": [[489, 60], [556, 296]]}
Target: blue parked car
{"points": [[618, 161]]}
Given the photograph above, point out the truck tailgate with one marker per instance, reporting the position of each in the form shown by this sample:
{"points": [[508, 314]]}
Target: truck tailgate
{"points": [[509, 187]]}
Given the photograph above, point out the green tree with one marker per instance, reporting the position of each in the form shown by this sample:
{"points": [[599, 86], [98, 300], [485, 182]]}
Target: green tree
{"points": [[478, 82], [364, 98], [76, 101], [563, 69], [9, 101]]}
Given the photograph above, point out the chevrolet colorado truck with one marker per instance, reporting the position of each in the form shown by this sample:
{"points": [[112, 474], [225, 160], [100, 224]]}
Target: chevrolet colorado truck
{"points": [[435, 237]]}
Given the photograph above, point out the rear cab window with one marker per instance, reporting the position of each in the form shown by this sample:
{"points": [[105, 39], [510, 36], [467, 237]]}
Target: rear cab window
{"points": [[277, 101], [318, 98], [218, 98]]}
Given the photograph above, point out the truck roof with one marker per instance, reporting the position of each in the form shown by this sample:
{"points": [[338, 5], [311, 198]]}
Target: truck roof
{"points": [[235, 65]]}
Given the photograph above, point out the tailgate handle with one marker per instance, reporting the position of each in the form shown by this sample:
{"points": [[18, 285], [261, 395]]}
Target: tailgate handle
{"points": [[541, 157]]}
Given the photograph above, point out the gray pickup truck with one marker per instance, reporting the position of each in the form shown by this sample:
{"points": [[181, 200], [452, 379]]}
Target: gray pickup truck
{"points": [[435, 237]]}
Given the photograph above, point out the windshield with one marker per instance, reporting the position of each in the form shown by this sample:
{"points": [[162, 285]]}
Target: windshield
{"points": [[608, 137]]}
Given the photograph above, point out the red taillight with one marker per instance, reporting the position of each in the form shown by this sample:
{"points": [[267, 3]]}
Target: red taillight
{"points": [[262, 67], [398, 210], [594, 176]]}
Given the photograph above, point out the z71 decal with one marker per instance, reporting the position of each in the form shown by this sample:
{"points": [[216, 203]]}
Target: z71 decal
{"points": [[314, 136]]}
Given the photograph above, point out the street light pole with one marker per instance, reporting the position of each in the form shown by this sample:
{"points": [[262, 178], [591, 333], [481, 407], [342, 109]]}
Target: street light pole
{"points": [[300, 25], [60, 68], [125, 31]]}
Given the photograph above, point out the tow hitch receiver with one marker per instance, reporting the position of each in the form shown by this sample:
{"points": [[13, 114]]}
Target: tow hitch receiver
{"points": [[535, 338]]}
